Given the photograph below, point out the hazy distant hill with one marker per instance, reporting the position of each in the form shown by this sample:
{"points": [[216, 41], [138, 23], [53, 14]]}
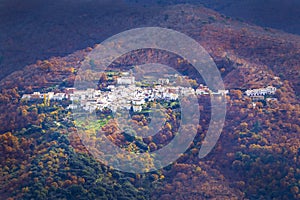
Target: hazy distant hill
{"points": [[282, 15], [32, 30]]}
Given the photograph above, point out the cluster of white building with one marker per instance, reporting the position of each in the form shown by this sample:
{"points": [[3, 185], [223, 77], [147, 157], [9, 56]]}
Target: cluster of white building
{"points": [[127, 97], [204, 90], [270, 90], [124, 95], [50, 95]]}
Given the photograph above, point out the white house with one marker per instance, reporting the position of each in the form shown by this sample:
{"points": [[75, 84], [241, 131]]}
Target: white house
{"points": [[59, 96], [137, 108], [138, 101], [50, 95], [185, 91], [90, 93], [172, 96], [37, 95], [271, 99], [111, 87], [126, 80], [26, 96], [201, 91], [163, 81], [72, 106], [261, 91]]}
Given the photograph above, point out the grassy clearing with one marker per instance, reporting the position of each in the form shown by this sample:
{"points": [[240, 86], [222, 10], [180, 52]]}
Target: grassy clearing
{"points": [[88, 124]]}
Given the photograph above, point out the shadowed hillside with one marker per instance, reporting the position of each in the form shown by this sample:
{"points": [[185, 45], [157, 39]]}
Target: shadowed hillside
{"points": [[35, 29]]}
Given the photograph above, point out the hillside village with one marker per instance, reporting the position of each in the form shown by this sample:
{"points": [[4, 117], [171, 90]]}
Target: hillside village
{"points": [[125, 94]]}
